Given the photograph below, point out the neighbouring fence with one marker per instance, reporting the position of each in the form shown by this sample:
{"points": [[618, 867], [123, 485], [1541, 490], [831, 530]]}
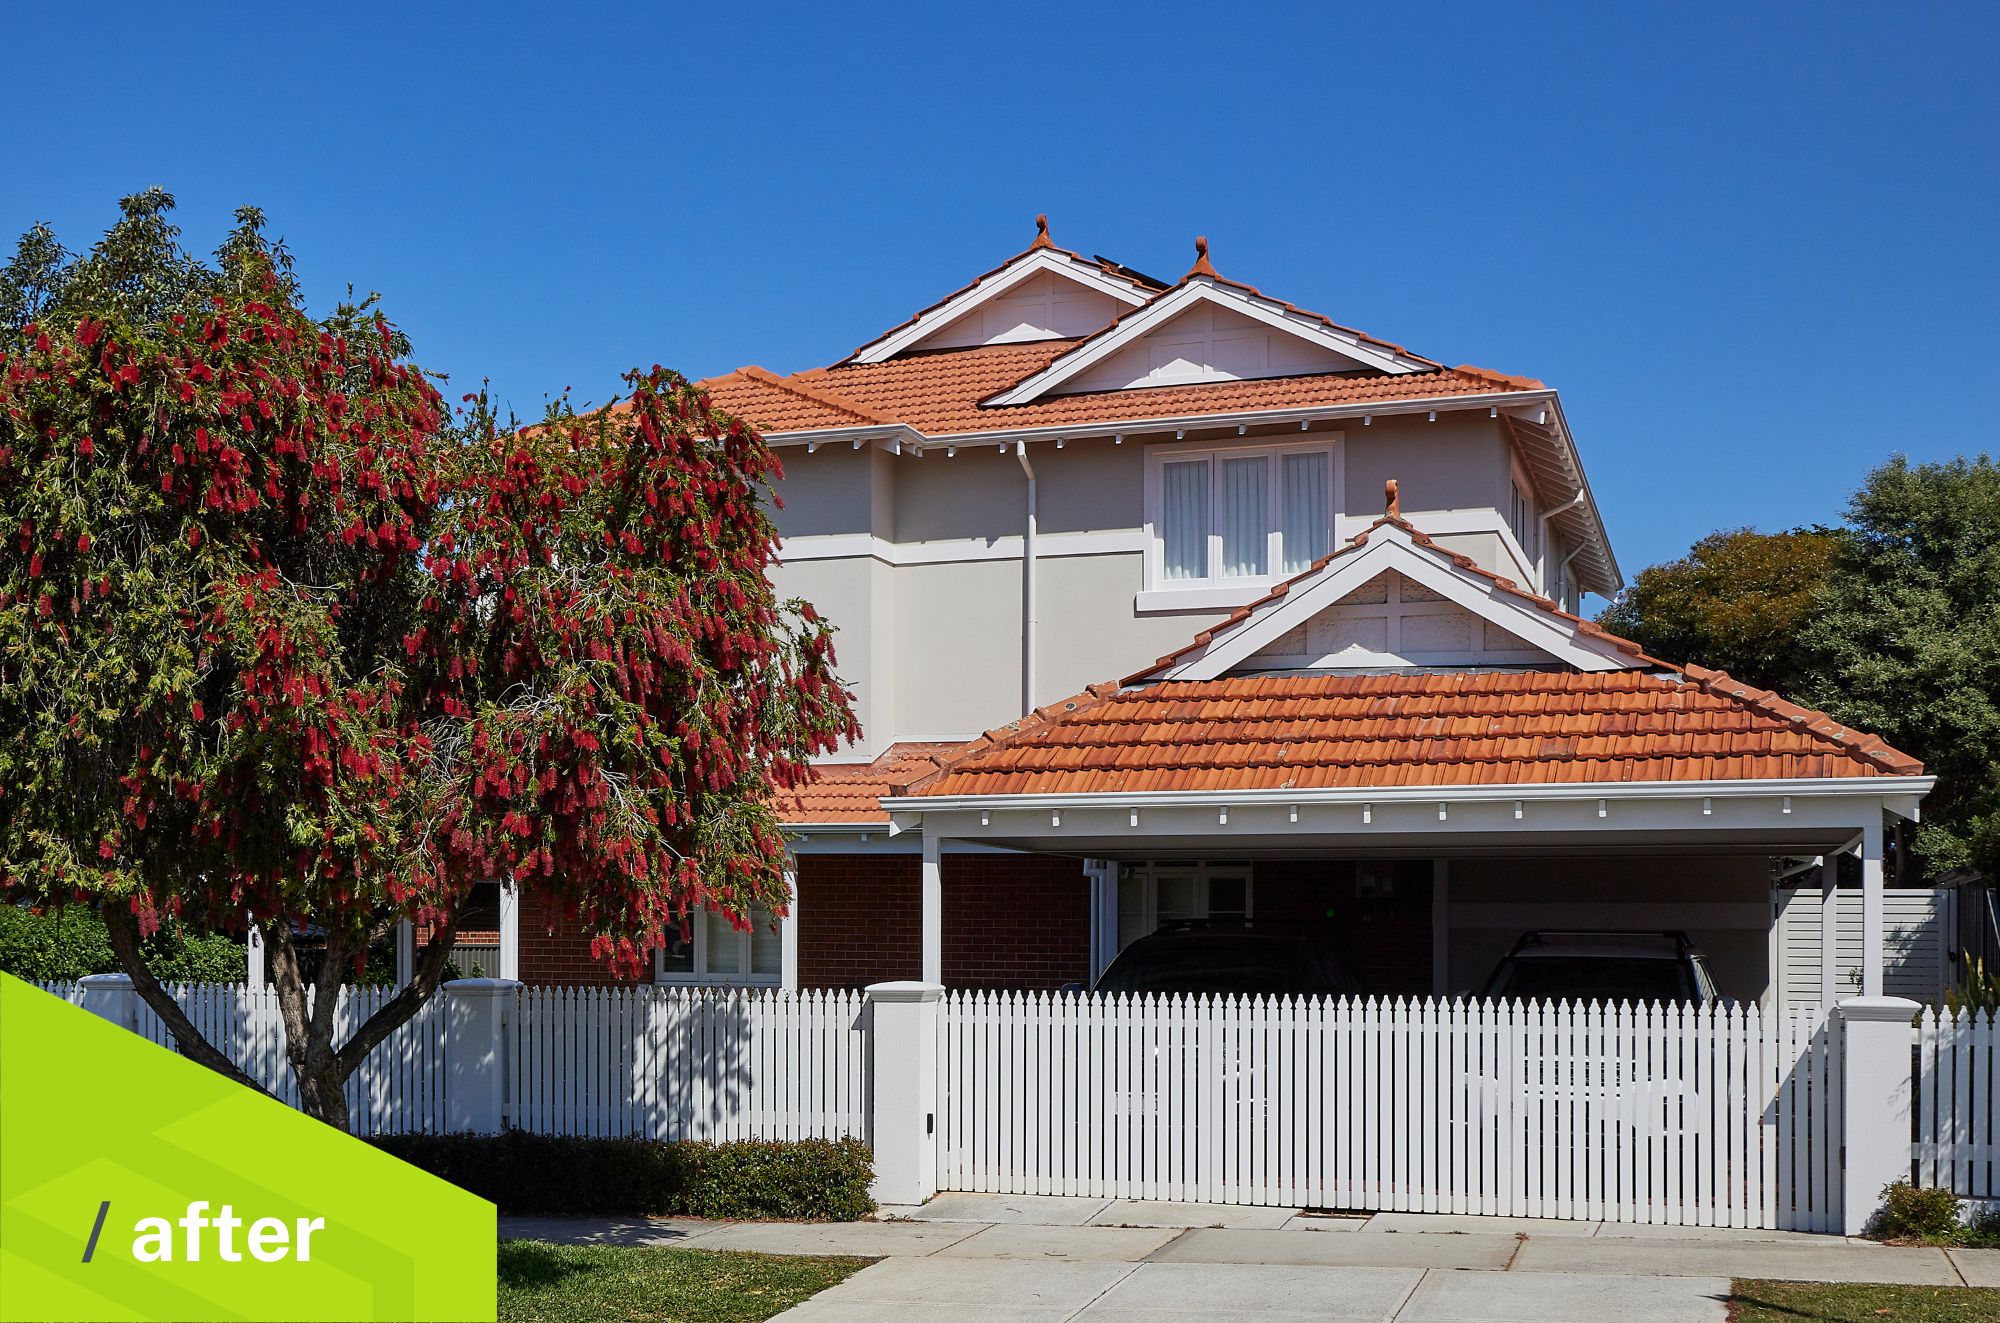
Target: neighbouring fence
{"points": [[1713, 1117], [1954, 1099]]}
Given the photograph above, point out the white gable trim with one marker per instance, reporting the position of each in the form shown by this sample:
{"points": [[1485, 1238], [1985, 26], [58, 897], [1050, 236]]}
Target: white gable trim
{"points": [[1203, 290], [1390, 548], [1017, 272]]}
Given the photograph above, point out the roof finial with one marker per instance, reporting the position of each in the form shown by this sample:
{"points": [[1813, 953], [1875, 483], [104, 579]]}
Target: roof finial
{"points": [[1201, 266], [1042, 239], [1393, 499]]}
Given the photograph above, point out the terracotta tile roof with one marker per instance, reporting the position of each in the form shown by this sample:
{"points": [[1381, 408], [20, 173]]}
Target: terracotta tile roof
{"points": [[1421, 539], [1358, 731], [939, 393], [851, 792]]}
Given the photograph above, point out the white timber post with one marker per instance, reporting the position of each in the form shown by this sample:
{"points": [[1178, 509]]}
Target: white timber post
{"points": [[406, 952], [253, 957], [478, 1012], [1103, 875], [1441, 927], [903, 1039], [788, 934], [510, 929], [933, 911], [1871, 908], [1875, 1096], [109, 997], [1829, 929]]}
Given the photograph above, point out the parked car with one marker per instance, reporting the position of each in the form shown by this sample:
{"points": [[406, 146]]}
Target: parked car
{"points": [[1599, 965], [1232, 957]]}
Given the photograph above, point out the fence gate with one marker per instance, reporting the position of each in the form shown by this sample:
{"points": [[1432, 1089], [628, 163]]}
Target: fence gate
{"points": [[1719, 1116]]}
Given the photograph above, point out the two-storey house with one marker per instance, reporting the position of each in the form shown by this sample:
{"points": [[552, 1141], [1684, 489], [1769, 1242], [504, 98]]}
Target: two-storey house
{"points": [[1168, 599]]}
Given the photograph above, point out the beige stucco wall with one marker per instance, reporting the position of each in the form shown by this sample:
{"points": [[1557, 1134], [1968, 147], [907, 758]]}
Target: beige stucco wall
{"points": [[933, 644], [1722, 901]]}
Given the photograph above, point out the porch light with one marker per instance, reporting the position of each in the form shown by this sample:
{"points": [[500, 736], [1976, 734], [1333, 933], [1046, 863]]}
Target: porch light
{"points": [[1304, 423], [1118, 439], [857, 442], [1707, 806], [951, 452], [1055, 817], [985, 818], [812, 447], [1059, 442], [1434, 415], [1295, 813], [1441, 812], [1368, 420], [1517, 810], [1223, 817], [1241, 428], [1368, 813], [1787, 805], [1180, 435], [1600, 809], [1493, 412], [1135, 817], [864, 838]]}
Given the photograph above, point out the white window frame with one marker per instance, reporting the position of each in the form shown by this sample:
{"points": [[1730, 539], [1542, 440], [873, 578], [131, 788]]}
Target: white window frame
{"points": [[700, 977], [1218, 589]]}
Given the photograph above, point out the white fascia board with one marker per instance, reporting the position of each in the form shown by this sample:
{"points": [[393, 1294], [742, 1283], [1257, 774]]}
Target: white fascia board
{"points": [[1389, 548], [1589, 498], [1024, 268], [1170, 305], [907, 811]]}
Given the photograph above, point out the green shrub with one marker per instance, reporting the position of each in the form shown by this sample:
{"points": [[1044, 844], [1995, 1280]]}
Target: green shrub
{"points": [[69, 943], [1913, 1213], [567, 1175]]}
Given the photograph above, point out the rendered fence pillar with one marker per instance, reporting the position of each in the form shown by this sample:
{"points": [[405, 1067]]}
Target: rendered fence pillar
{"points": [[1875, 1089], [475, 1053], [903, 1110], [111, 997]]}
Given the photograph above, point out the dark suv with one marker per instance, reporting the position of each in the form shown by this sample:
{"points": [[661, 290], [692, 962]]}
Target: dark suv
{"points": [[1232, 957], [1600, 965]]}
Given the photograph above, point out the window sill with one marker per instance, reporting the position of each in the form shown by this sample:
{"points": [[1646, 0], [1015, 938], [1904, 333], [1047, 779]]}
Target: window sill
{"points": [[713, 981], [1204, 597]]}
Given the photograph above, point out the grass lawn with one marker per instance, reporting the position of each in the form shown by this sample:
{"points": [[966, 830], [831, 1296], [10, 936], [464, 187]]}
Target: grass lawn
{"points": [[1814, 1302], [542, 1283]]}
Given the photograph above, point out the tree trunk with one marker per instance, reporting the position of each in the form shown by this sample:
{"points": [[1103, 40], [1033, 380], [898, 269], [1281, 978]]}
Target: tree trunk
{"points": [[123, 929]]}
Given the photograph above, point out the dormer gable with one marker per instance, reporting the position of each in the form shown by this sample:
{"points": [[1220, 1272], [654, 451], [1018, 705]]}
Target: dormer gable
{"points": [[1041, 293], [1209, 329], [1390, 600]]}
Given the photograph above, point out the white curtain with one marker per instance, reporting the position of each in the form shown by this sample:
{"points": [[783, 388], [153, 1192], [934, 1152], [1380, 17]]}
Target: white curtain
{"points": [[1306, 515], [1184, 518], [1246, 505]]}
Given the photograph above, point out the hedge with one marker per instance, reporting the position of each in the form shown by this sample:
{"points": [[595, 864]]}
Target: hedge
{"points": [[553, 1175], [68, 943]]}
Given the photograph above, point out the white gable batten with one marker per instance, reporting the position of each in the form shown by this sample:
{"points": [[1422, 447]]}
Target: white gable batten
{"points": [[1326, 589], [1014, 279], [1157, 317]]}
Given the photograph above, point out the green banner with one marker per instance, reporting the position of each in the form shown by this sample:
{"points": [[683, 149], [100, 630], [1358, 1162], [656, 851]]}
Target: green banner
{"points": [[135, 1184]]}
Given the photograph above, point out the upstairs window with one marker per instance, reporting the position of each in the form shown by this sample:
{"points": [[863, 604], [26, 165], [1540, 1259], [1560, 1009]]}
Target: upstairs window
{"points": [[1239, 514]]}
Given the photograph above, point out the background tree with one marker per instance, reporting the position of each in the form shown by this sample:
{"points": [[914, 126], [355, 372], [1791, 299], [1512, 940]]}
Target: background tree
{"points": [[1736, 602], [1905, 642], [282, 643]]}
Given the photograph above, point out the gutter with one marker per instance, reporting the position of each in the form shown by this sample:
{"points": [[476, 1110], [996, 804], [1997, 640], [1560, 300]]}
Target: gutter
{"points": [[1584, 790]]}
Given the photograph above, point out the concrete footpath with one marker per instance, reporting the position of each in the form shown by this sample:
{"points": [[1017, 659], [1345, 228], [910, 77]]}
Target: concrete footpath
{"points": [[966, 1258]]}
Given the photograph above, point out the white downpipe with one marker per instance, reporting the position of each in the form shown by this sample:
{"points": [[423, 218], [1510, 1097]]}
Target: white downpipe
{"points": [[1027, 587]]}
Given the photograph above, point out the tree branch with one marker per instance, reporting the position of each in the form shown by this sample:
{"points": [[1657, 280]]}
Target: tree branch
{"points": [[123, 929], [400, 1009]]}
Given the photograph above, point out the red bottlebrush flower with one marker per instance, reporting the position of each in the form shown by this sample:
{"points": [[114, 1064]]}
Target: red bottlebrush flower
{"points": [[83, 542]]}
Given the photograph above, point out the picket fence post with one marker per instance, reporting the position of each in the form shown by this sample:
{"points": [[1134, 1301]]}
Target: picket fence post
{"points": [[903, 1040], [1876, 1102], [476, 1014], [110, 996]]}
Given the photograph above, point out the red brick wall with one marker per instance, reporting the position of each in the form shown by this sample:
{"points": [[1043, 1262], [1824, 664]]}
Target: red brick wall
{"points": [[562, 957], [1010, 921]]}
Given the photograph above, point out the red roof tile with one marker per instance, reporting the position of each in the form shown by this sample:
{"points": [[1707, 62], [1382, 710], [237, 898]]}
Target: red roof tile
{"points": [[1364, 731], [851, 792]]}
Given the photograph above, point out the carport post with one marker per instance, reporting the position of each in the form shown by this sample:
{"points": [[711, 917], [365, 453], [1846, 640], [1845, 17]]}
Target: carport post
{"points": [[933, 911], [1871, 907]]}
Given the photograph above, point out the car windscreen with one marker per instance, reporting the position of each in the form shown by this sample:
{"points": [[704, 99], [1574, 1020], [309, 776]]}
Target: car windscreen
{"points": [[1220, 965], [1591, 978]]}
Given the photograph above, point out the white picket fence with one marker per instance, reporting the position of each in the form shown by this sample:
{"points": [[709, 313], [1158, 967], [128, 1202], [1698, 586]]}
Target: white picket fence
{"points": [[665, 1063], [1716, 1117], [1955, 1087], [673, 1063]]}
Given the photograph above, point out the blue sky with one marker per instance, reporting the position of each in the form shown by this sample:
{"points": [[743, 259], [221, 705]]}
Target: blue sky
{"points": [[1753, 246]]}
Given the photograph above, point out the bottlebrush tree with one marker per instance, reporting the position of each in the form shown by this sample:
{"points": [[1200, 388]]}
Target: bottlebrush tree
{"points": [[286, 642]]}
